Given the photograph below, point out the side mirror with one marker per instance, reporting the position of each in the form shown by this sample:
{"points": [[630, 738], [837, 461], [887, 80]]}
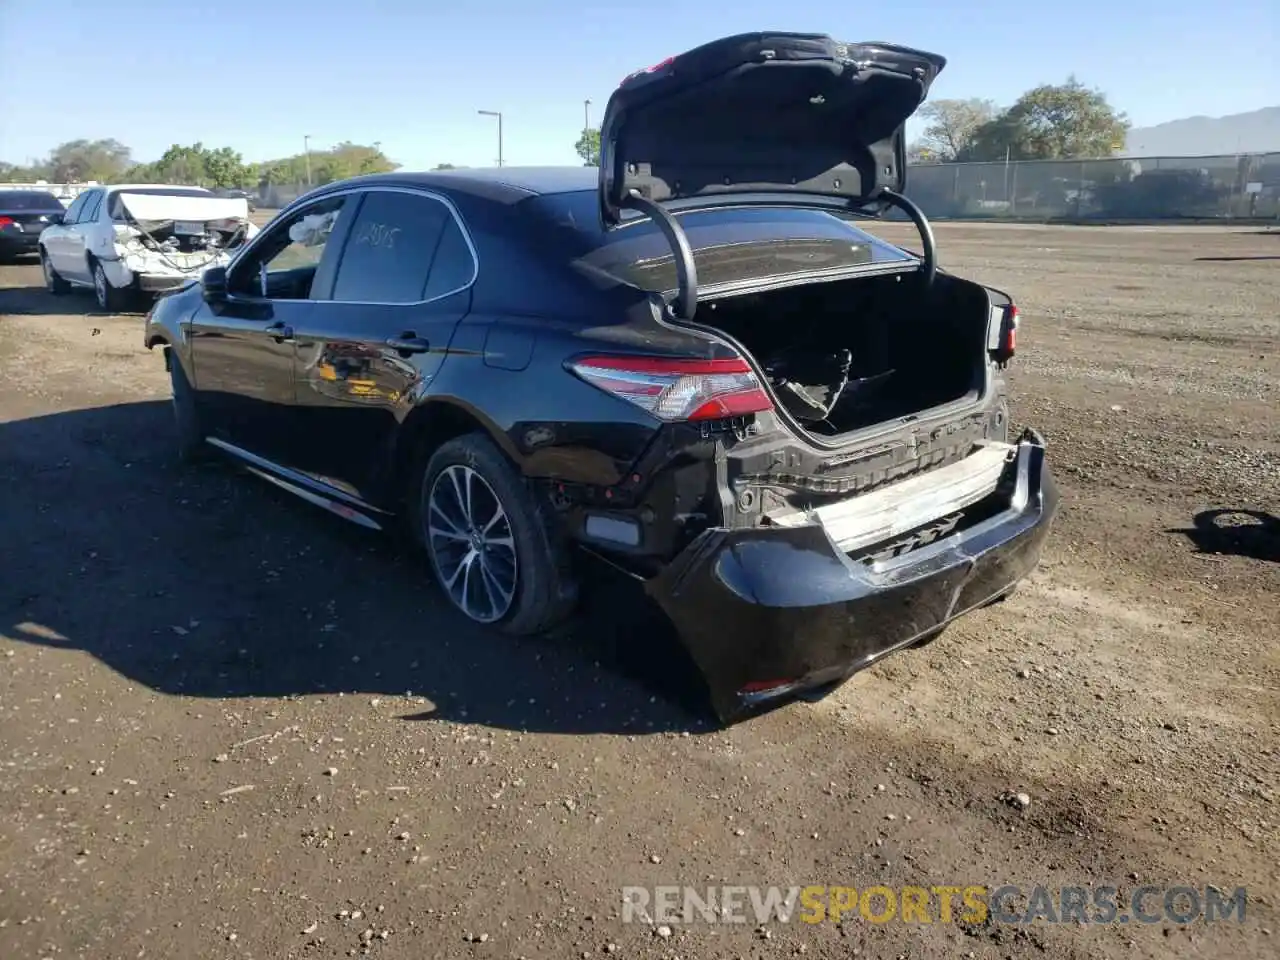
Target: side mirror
{"points": [[214, 284], [57, 217]]}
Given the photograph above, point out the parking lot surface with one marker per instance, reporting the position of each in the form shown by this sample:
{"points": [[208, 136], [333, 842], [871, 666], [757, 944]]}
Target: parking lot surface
{"points": [[232, 726]]}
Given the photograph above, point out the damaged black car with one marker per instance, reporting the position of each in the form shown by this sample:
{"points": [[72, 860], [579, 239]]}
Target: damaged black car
{"points": [[691, 364]]}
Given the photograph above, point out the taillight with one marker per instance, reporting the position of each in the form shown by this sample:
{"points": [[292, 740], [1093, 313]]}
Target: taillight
{"points": [[1009, 332], [5, 221], [654, 69], [676, 390], [1002, 341]]}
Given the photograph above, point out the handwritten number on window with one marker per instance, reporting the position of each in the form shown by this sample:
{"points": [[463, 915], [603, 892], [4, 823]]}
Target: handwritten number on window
{"points": [[380, 235]]}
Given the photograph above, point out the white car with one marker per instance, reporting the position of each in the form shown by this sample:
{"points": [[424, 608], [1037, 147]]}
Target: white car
{"points": [[146, 238]]}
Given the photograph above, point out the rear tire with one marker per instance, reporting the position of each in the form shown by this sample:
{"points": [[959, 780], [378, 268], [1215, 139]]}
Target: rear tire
{"points": [[53, 281], [189, 433], [495, 552], [110, 299]]}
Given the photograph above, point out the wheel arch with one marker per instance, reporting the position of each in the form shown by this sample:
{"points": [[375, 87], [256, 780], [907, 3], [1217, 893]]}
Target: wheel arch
{"points": [[436, 421]]}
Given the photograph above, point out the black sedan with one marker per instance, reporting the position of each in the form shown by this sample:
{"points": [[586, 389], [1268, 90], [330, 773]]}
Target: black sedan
{"points": [[23, 215], [691, 364]]}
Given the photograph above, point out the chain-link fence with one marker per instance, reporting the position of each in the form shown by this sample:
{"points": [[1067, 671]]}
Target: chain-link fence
{"points": [[1150, 188]]}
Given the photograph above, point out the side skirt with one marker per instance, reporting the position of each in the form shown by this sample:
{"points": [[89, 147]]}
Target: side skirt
{"points": [[322, 495]]}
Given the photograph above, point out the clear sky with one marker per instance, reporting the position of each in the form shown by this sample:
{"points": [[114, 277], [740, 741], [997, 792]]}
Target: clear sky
{"points": [[258, 75]]}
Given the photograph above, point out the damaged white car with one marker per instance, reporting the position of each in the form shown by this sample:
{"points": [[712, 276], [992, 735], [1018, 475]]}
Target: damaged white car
{"points": [[128, 240]]}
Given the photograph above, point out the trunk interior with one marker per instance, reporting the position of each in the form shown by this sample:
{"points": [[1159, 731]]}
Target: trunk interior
{"points": [[212, 236], [848, 354]]}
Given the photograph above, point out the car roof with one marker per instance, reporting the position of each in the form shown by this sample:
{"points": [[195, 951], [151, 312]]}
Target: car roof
{"points": [[503, 183]]}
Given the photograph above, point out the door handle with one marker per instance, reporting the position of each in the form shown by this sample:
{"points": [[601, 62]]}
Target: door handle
{"points": [[280, 332], [408, 343]]}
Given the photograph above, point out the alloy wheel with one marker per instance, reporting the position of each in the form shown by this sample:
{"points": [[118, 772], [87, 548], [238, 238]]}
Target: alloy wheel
{"points": [[471, 544], [100, 286]]}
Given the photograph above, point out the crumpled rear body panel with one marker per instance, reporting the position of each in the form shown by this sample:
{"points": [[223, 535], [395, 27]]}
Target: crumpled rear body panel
{"points": [[772, 611]]}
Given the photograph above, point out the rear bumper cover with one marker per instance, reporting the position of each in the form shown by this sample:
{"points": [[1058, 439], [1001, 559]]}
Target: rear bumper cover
{"points": [[15, 243], [774, 611]]}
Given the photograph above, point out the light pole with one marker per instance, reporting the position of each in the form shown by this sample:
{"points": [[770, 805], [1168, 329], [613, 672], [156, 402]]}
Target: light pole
{"points": [[586, 126], [498, 114], [306, 149]]}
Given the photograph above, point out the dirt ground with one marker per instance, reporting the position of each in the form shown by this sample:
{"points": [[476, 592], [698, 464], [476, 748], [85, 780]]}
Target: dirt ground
{"points": [[233, 727]]}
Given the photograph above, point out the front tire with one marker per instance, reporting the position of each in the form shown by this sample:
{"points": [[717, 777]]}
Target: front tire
{"points": [[53, 281], [189, 432], [492, 546]]}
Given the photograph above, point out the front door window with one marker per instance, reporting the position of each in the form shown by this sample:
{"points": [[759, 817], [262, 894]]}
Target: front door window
{"points": [[283, 265]]}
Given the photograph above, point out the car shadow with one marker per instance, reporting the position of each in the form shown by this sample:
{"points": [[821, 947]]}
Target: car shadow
{"points": [[30, 298], [1236, 532], [206, 582]]}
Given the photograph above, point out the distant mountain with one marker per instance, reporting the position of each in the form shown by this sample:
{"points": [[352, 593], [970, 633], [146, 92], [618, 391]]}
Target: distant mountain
{"points": [[1255, 132]]}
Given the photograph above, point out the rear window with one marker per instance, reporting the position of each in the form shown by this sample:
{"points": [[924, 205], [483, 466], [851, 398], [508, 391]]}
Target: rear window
{"points": [[28, 200], [729, 244]]}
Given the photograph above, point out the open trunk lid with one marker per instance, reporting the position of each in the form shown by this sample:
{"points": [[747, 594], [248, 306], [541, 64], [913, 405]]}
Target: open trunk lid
{"points": [[764, 113], [160, 208]]}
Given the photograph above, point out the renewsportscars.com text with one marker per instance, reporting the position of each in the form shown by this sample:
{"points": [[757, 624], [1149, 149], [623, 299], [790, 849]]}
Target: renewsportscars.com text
{"points": [[972, 904]]}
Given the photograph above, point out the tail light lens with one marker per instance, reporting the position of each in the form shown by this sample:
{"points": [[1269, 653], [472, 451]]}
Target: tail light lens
{"points": [[5, 221], [1009, 331], [678, 390], [648, 70]]}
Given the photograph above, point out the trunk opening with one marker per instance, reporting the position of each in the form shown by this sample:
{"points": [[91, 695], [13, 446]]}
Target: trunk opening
{"points": [[177, 237], [848, 354]]}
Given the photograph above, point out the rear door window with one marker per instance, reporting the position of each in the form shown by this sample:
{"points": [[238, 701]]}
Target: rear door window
{"points": [[73, 211], [390, 249], [91, 205]]}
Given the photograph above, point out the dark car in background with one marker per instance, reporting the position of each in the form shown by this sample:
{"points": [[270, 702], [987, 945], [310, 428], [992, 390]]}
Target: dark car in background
{"points": [[23, 215], [691, 364], [239, 194]]}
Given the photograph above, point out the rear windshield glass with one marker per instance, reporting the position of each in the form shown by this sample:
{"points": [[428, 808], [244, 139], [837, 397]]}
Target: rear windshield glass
{"points": [[729, 244], [28, 200]]}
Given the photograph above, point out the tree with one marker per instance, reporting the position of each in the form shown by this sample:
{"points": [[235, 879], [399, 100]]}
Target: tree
{"points": [[225, 168], [444, 166], [79, 160], [588, 147], [952, 124], [219, 167], [1065, 122], [16, 173]]}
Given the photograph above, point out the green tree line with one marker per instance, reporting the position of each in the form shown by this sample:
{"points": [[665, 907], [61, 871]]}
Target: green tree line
{"points": [[110, 161]]}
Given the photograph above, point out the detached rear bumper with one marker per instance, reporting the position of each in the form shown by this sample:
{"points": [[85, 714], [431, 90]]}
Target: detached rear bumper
{"points": [[774, 611]]}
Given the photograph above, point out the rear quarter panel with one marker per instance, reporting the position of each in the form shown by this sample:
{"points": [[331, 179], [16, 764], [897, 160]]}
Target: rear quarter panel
{"points": [[532, 311]]}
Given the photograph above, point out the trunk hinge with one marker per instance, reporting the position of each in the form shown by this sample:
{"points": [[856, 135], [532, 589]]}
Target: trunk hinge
{"points": [[928, 248], [686, 271]]}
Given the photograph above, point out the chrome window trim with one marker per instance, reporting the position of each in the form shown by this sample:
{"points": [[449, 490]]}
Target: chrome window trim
{"points": [[309, 199]]}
